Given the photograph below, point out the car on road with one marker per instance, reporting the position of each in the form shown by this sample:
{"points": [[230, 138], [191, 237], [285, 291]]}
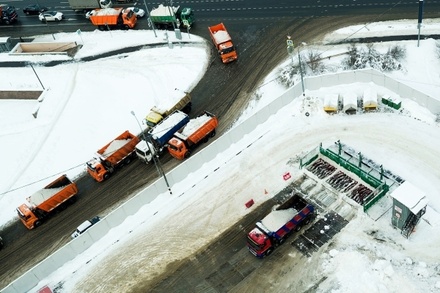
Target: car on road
{"points": [[137, 11], [34, 9], [85, 226], [51, 16]]}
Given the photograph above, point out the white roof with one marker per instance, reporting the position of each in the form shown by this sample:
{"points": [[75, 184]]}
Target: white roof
{"points": [[349, 101], [370, 96], [410, 196], [277, 218], [331, 100]]}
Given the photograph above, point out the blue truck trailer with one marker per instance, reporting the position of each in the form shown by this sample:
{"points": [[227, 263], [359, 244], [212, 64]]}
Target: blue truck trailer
{"points": [[158, 136], [279, 224]]}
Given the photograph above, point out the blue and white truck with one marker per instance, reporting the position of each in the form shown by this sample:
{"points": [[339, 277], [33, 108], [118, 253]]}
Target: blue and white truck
{"points": [[158, 137]]}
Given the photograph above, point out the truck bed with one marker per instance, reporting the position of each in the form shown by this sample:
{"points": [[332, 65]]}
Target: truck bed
{"points": [[54, 194]]}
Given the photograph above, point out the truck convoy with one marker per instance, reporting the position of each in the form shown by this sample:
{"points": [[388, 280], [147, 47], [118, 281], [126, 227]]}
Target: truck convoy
{"points": [[167, 16], [84, 5], [157, 114], [8, 14], [197, 130], [279, 224], [113, 155], [46, 201], [113, 18], [159, 136], [223, 43]]}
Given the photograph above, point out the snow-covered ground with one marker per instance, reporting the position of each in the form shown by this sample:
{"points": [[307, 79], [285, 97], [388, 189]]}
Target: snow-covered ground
{"points": [[405, 143]]}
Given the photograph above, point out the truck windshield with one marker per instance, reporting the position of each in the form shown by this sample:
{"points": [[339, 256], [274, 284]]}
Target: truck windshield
{"points": [[253, 244], [129, 14], [227, 50]]}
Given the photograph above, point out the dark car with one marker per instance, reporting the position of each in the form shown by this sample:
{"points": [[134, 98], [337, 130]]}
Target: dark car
{"points": [[34, 9]]}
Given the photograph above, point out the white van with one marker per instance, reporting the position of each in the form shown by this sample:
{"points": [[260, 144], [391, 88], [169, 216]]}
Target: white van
{"points": [[84, 226]]}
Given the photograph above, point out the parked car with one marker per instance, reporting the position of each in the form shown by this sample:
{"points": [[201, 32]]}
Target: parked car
{"points": [[34, 9], [137, 11], [51, 16], [85, 226]]}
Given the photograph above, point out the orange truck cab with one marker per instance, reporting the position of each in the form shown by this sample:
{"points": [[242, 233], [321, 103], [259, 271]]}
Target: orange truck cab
{"points": [[197, 130]]}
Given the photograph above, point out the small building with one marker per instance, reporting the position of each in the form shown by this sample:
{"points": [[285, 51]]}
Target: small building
{"points": [[350, 103], [369, 100], [331, 102], [409, 205]]}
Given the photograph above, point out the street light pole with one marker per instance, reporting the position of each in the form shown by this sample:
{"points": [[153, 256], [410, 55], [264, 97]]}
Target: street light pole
{"points": [[153, 155], [149, 19], [301, 72]]}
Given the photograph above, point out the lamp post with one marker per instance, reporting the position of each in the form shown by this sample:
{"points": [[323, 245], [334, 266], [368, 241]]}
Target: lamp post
{"points": [[153, 155], [300, 70], [149, 20]]}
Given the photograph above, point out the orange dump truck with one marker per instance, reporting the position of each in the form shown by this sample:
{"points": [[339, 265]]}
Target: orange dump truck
{"points": [[113, 18], [44, 202], [115, 154], [223, 42], [197, 130]]}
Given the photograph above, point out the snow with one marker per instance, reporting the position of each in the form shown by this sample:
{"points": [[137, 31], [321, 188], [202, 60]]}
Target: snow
{"points": [[194, 124], [221, 36], [410, 196], [169, 122], [42, 195], [367, 254], [114, 146], [277, 218]]}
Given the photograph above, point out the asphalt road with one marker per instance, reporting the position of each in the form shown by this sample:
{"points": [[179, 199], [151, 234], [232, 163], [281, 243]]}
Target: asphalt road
{"points": [[224, 90]]}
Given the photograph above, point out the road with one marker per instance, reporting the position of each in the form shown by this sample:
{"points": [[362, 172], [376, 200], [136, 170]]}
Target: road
{"points": [[224, 90]]}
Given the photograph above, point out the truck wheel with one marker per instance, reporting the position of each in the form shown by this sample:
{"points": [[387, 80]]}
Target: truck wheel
{"points": [[213, 133], [127, 160], [307, 221], [187, 155], [106, 175], [268, 252], [298, 228], [37, 223]]}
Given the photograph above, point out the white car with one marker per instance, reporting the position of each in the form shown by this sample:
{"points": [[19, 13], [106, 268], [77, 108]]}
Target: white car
{"points": [[84, 226], [137, 11], [51, 16]]}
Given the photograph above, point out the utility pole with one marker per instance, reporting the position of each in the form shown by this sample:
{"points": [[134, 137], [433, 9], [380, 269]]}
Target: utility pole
{"points": [[149, 19], [156, 160], [419, 24]]}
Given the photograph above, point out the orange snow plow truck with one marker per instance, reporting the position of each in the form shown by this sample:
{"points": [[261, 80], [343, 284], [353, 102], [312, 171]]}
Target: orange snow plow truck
{"points": [[113, 18], [223, 42], [44, 202], [113, 155], [197, 130]]}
